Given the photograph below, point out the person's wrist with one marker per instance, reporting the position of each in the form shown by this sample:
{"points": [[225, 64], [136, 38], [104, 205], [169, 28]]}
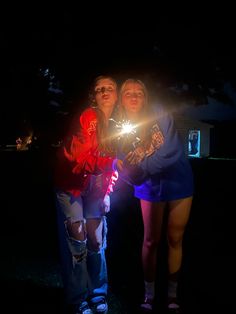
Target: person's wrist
{"points": [[114, 164]]}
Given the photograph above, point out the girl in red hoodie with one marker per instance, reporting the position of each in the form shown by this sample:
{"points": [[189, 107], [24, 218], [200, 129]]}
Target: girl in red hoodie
{"points": [[84, 177]]}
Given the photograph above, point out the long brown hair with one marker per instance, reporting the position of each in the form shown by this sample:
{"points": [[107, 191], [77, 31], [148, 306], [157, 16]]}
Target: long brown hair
{"points": [[104, 141]]}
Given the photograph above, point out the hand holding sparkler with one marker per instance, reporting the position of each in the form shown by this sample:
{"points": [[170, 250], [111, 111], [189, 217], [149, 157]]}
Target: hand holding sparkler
{"points": [[130, 170], [136, 156]]}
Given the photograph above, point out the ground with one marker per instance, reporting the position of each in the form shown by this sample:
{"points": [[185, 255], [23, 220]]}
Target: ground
{"points": [[30, 267]]}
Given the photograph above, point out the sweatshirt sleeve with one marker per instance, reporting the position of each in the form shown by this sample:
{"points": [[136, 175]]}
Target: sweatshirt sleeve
{"points": [[169, 152], [83, 151]]}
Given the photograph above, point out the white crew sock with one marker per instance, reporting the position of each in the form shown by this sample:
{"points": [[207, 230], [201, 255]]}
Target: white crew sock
{"points": [[172, 289], [149, 289]]}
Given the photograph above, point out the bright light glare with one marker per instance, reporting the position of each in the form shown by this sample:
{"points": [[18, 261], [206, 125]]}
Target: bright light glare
{"points": [[127, 128]]}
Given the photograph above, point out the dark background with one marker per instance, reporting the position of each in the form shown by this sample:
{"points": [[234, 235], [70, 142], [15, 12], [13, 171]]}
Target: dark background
{"points": [[45, 48], [30, 268], [166, 52]]}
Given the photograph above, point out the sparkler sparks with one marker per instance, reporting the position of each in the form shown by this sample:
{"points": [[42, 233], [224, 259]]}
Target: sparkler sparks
{"points": [[127, 128], [126, 135], [124, 128]]}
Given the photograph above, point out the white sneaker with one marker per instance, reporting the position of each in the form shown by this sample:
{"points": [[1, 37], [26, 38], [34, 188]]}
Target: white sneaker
{"points": [[83, 308], [147, 305], [100, 306]]}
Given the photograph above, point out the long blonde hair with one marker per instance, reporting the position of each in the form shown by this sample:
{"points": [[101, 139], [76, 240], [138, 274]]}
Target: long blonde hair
{"points": [[145, 114]]}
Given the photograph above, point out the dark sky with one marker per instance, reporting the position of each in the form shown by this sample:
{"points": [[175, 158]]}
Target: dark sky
{"points": [[61, 38], [76, 47]]}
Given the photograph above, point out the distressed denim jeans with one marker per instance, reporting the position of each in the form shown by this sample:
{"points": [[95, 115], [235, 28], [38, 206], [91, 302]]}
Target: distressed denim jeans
{"points": [[85, 277]]}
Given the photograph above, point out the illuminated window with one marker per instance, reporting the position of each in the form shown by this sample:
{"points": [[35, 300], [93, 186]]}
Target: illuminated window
{"points": [[194, 143]]}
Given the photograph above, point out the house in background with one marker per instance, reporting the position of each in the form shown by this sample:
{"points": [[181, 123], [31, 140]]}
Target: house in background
{"points": [[195, 135]]}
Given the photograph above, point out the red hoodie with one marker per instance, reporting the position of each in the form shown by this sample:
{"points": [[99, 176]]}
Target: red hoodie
{"points": [[81, 158]]}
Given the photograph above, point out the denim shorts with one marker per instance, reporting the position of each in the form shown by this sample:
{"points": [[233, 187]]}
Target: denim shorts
{"points": [[87, 205]]}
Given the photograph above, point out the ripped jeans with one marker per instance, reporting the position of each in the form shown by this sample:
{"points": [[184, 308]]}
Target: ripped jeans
{"points": [[84, 270]]}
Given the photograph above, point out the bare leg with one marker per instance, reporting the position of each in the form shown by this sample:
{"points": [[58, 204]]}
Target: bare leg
{"points": [[152, 219], [179, 212]]}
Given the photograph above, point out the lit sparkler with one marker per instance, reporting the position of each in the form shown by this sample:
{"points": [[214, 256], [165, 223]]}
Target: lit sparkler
{"points": [[127, 131], [124, 128]]}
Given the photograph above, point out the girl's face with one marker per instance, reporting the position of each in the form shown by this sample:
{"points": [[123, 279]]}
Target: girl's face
{"points": [[105, 93], [133, 99]]}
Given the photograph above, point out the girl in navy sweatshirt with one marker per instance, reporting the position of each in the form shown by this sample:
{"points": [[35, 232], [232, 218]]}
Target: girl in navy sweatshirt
{"points": [[162, 177]]}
